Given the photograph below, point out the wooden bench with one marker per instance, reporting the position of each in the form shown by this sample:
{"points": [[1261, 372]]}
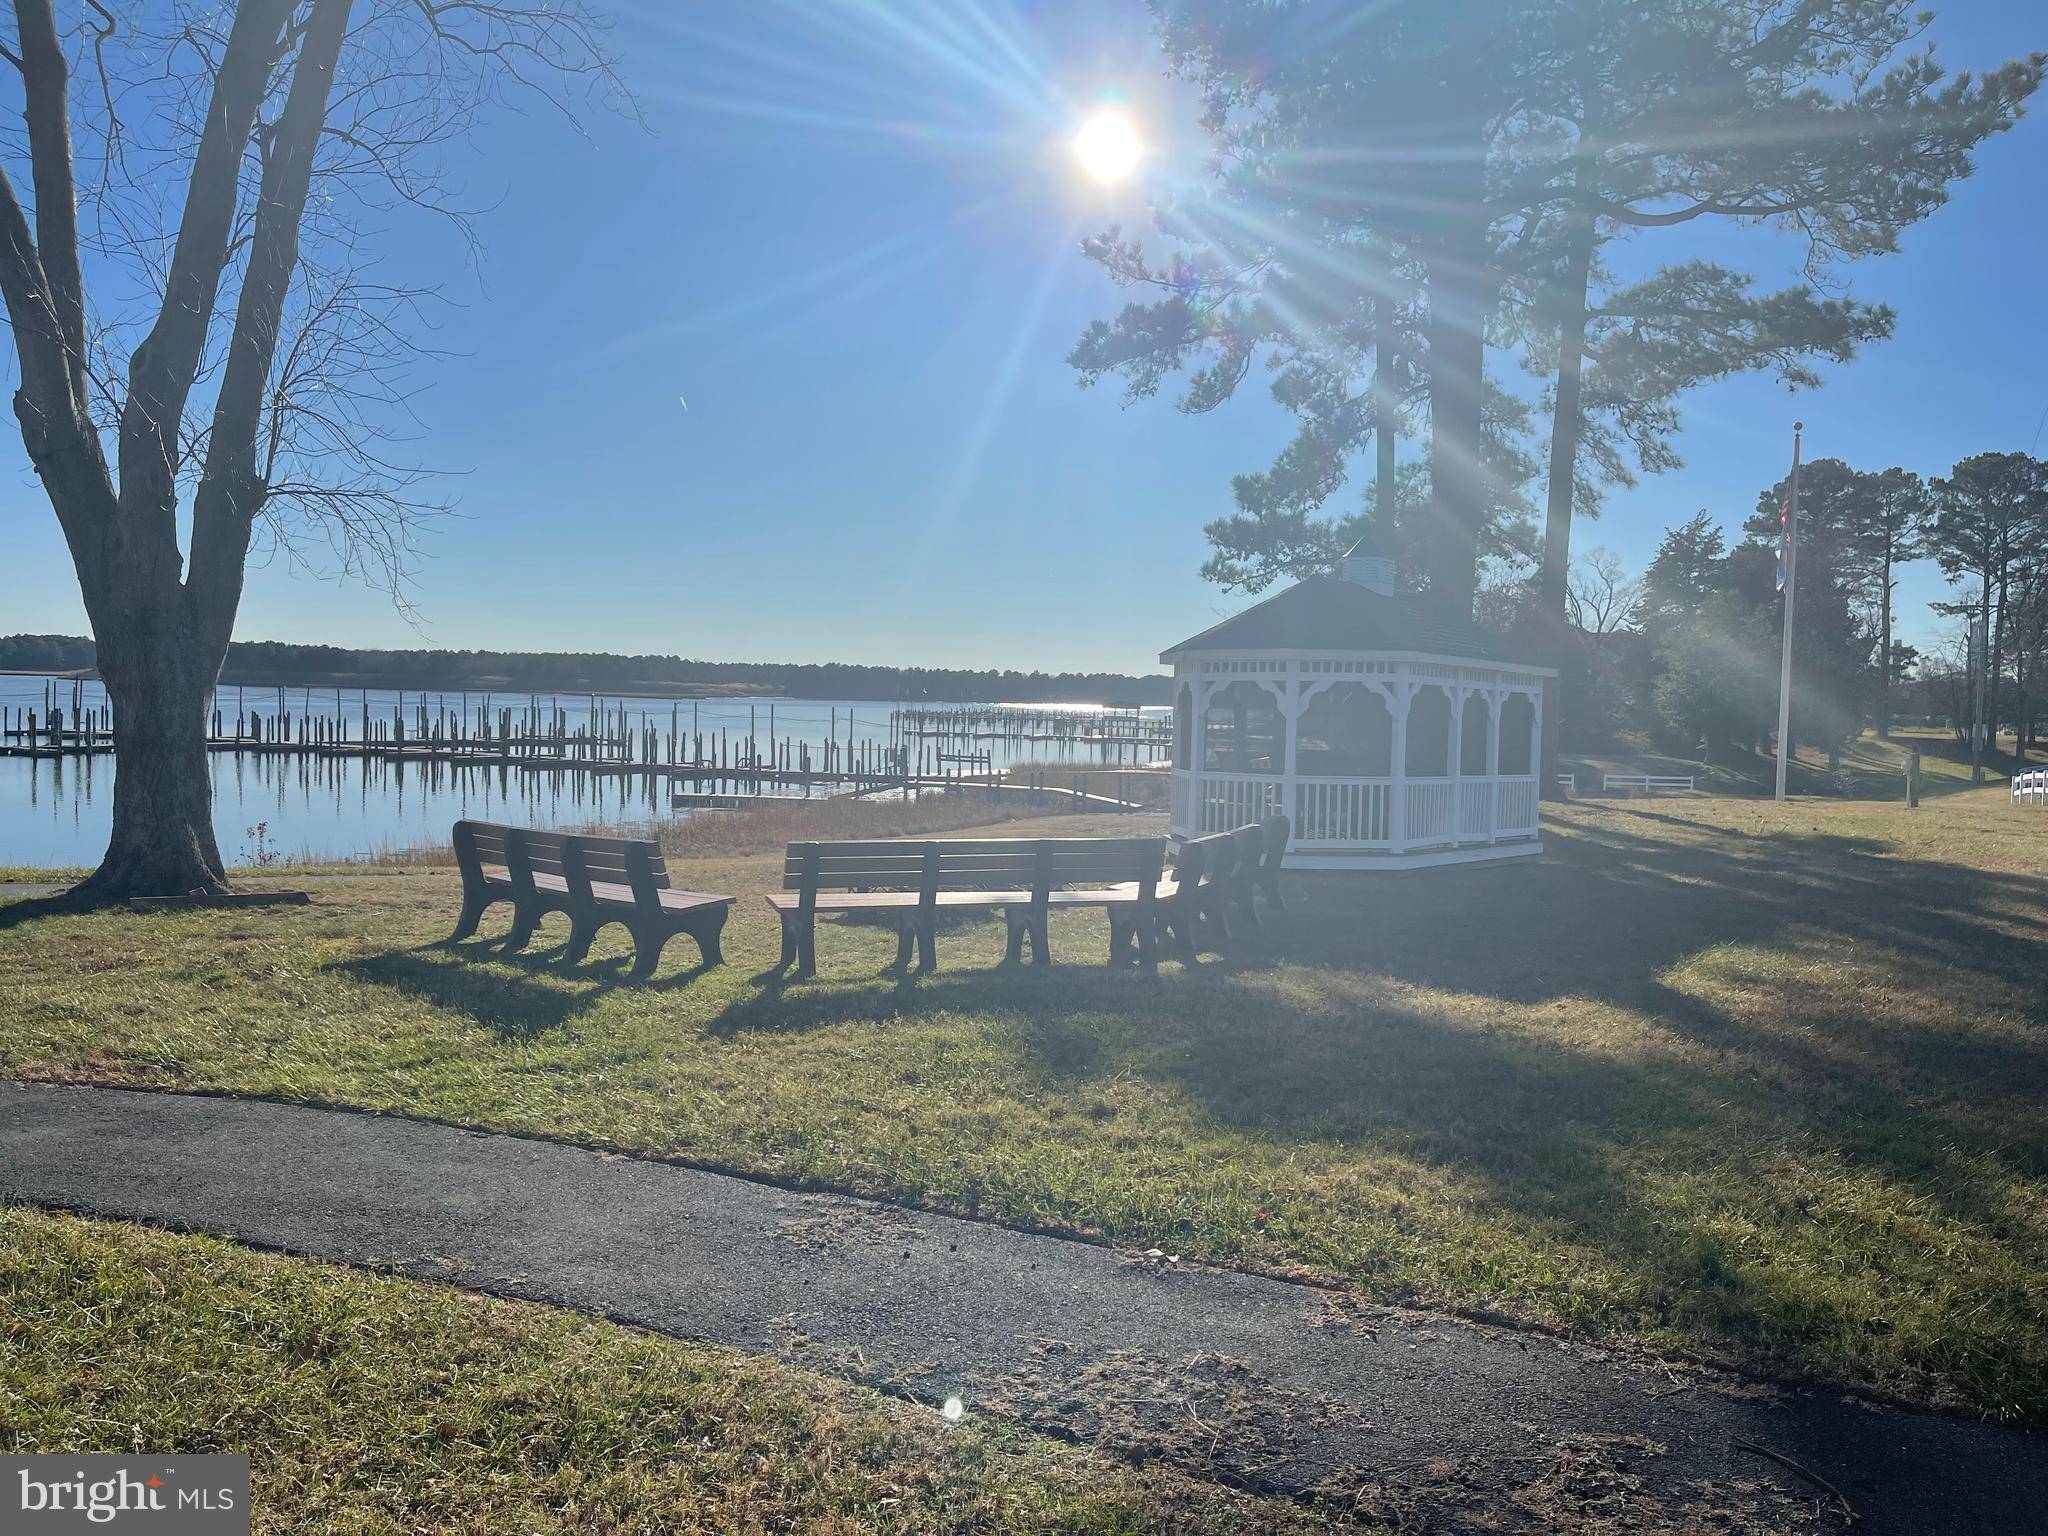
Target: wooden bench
{"points": [[912, 882], [1231, 870], [593, 880]]}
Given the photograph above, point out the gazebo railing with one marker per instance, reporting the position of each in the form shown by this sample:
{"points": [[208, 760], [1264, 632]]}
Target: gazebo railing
{"points": [[1476, 798], [1519, 805], [1228, 800], [1343, 810], [1432, 809], [1441, 812]]}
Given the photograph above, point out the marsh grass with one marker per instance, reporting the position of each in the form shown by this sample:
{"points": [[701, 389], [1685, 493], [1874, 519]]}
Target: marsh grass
{"points": [[1767, 1084], [369, 1405]]}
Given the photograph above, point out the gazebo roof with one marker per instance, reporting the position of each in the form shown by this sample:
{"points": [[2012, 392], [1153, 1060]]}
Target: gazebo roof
{"points": [[1325, 613]]}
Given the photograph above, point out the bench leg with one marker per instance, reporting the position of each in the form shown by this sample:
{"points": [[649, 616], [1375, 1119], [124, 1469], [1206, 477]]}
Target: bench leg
{"points": [[1147, 926], [1123, 936], [1019, 922], [906, 935], [1248, 904], [1041, 938], [928, 942], [648, 940], [1216, 914], [706, 931], [524, 921], [797, 947], [472, 913], [581, 931]]}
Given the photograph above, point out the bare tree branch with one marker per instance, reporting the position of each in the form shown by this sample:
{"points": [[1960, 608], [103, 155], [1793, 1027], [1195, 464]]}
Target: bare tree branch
{"points": [[225, 508], [47, 107], [162, 369]]}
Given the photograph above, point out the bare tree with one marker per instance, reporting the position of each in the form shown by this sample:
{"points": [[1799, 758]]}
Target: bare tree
{"points": [[1601, 596], [260, 378]]}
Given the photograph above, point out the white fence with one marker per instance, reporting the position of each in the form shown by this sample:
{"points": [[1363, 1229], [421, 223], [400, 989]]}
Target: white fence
{"points": [[2030, 788], [1648, 783]]}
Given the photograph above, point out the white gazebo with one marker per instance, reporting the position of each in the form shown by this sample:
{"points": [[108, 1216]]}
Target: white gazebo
{"points": [[1391, 735]]}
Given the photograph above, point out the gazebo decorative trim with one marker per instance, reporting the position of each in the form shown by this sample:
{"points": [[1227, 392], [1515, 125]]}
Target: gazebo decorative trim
{"points": [[1382, 754]]}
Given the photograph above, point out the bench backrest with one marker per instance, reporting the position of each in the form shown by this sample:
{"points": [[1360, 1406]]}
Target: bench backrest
{"points": [[1038, 865], [1278, 830], [578, 858], [1211, 858]]}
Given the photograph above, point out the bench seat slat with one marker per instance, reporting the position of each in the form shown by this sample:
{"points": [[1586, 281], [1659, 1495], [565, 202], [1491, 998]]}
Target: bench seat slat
{"points": [[674, 901], [907, 901]]}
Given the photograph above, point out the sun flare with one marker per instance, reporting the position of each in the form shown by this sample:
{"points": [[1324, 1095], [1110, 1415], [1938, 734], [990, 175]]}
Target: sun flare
{"points": [[1108, 147]]}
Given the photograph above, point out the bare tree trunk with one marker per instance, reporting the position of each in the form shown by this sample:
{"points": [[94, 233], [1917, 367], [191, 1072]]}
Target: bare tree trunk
{"points": [[1567, 423], [163, 840]]}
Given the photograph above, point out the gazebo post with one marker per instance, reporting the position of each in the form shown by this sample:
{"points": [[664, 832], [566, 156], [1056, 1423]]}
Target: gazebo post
{"points": [[1290, 709], [1454, 759], [1536, 739], [1494, 700], [1397, 813]]}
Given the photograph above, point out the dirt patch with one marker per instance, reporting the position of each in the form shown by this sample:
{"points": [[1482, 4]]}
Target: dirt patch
{"points": [[1207, 1411], [1590, 1485], [831, 1225]]}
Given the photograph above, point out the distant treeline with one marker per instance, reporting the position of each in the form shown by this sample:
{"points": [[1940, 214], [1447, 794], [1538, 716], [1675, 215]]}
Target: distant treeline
{"points": [[273, 662]]}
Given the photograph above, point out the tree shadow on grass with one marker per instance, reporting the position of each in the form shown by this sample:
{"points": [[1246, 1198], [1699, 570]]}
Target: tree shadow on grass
{"points": [[517, 1006], [1799, 992], [24, 910]]}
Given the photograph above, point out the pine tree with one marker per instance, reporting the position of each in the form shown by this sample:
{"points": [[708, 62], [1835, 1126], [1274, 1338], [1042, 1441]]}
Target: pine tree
{"points": [[1991, 520]]}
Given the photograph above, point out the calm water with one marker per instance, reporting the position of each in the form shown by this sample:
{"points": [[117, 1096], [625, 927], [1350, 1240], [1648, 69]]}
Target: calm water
{"points": [[58, 811]]}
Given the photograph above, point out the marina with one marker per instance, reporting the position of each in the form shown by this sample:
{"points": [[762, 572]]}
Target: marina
{"points": [[327, 773]]}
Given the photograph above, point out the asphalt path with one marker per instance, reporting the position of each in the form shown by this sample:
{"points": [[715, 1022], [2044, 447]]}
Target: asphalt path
{"points": [[1265, 1384]]}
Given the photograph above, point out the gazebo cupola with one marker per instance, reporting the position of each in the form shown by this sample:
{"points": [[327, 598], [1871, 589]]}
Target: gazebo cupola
{"points": [[1392, 735]]}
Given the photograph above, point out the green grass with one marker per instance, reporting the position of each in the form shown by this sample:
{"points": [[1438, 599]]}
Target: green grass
{"points": [[369, 1405], [30, 874], [1767, 1084], [1868, 769]]}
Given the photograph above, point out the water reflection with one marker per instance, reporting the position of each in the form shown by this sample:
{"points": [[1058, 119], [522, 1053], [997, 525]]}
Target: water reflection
{"points": [[59, 810]]}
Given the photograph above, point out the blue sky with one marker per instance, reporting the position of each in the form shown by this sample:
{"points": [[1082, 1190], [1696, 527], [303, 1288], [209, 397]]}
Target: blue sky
{"points": [[780, 376]]}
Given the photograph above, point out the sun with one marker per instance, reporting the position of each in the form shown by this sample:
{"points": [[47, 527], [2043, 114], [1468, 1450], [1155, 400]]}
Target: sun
{"points": [[1108, 147]]}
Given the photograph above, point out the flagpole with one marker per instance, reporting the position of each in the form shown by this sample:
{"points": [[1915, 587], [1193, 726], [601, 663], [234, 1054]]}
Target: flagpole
{"points": [[1791, 592]]}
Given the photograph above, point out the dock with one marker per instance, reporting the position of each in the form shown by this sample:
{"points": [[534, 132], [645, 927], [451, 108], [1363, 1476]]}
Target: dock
{"points": [[922, 750]]}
